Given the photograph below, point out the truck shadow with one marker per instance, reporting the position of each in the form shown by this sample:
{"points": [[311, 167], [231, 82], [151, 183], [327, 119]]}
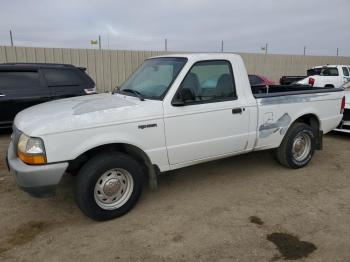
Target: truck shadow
{"points": [[341, 135], [234, 167]]}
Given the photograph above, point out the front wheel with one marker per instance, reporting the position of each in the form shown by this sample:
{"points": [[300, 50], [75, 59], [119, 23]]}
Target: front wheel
{"points": [[108, 186], [297, 147]]}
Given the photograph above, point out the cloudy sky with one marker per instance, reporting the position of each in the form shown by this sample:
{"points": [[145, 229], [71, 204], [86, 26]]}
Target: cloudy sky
{"points": [[193, 25]]}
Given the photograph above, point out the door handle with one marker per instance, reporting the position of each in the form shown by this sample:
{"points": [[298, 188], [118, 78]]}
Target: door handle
{"points": [[238, 110], [1, 95]]}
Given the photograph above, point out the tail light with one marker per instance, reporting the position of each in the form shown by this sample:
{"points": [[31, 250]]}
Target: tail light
{"points": [[342, 107], [90, 91], [311, 81]]}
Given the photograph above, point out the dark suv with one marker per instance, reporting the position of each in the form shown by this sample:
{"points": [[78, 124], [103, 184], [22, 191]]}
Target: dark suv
{"points": [[26, 84]]}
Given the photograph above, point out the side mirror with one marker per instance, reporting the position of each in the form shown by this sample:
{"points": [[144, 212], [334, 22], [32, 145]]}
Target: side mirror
{"points": [[182, 96]]}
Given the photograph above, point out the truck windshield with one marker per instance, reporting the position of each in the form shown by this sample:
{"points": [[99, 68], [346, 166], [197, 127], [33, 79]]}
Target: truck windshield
{"points": [[154, 77]]}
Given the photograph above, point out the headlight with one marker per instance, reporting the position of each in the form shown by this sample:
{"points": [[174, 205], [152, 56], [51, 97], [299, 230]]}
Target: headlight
{"points": [[31, 150]]}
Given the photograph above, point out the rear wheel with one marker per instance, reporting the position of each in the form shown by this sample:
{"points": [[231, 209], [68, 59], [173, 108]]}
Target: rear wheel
{"points": [[108, 186], [297, 147]]}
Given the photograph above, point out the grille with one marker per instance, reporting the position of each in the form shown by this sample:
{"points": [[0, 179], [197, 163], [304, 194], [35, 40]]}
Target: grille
{"points": [[346, 116]]}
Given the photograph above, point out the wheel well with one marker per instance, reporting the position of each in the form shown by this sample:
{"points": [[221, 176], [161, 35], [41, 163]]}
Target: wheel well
{"points": [[314, 123], [137, 153], [329, 85], [311, 120]]}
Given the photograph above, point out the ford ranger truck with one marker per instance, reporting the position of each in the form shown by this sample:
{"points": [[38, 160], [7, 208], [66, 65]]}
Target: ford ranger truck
{"points": [[174, 111]]}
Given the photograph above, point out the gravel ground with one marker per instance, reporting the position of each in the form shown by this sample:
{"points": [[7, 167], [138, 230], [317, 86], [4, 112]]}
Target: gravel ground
{"points": [[243, 208]]}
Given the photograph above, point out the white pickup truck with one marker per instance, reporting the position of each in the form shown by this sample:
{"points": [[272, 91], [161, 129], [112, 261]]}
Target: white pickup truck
{"points": [[164, 117], [330, 76]]}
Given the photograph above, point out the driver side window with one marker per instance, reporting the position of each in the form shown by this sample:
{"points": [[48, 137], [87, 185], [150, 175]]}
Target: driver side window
{"points": [[207, 81]]}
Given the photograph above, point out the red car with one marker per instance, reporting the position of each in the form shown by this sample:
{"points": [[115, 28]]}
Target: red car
{"points": [[258, 80]]}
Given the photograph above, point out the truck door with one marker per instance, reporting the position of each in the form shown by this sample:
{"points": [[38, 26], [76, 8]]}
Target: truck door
{"points": [[332, 76], [212, 122], [346, 75]]}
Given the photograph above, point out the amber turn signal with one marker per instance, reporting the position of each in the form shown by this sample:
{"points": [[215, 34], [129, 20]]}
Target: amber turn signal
{"points": [[32, 159]]}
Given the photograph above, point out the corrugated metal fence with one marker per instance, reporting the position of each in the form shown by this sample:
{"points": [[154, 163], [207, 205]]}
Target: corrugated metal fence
{"points": [[110, 68]]}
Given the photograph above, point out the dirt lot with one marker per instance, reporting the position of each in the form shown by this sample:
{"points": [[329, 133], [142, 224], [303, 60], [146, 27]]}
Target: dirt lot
{"points": [[245, 208]]}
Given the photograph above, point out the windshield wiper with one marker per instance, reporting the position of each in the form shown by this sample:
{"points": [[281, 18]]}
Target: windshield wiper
{"points": [[138, 94]]}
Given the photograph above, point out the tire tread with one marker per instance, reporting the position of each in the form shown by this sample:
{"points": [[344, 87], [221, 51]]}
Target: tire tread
{"points": [[88, 173]]}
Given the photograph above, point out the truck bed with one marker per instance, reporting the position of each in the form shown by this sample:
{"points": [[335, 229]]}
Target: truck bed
{"points": [[284, 90], [287, 80]]}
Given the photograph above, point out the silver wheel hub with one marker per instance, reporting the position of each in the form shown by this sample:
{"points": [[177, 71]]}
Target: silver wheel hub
{"points": [[113, 188], [301, 147]]}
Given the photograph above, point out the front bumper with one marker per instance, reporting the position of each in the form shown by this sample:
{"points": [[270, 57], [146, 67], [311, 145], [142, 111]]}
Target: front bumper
{"points": [[38, 180]]}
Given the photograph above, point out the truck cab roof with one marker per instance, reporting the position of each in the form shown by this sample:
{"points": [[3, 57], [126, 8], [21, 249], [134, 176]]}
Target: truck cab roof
{"points": [[202, 56]]}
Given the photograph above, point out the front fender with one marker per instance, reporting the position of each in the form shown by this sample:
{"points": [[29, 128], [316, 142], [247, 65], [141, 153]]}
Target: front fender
{"points": [[67, 146]]}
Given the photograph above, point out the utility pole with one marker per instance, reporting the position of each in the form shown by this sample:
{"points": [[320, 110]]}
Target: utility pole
{"points": [[108, 41], [264, 48], [337, 51], [304, 50], [222, 46], [99, 42], [11, 39], [166, 44]]}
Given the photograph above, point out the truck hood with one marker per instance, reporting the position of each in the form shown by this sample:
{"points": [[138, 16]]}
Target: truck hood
{"points": [[85, 112]]}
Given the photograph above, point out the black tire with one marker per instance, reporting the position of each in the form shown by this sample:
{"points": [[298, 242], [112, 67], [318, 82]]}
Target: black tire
{"points": [[92, 171], [284, 153]]}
